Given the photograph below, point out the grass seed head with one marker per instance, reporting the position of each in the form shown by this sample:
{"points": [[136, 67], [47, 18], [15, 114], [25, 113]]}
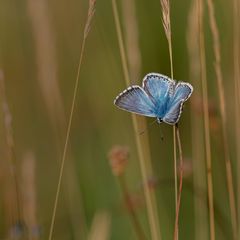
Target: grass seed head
{"points": [[118, 158]]}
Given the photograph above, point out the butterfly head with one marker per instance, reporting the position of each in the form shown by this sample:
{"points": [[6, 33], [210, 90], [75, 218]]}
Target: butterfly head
{"points": [[159, 120]]}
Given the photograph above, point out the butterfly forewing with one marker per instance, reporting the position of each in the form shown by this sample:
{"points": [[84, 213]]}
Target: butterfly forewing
{"points": [[134, 99], [158, 87]]}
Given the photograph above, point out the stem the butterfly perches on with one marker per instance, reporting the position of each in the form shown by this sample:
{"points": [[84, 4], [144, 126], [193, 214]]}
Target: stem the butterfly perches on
{"points": [[180, 182], [167, 28]]}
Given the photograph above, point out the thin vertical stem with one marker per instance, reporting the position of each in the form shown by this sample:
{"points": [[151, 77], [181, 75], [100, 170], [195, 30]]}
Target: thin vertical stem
{"points": [[180, 183], [217, 54], [47, 76], [236, 54], [120, 43], [167, 28], [206, 120], [131, 37], [91, 11], [201, 227], [101, 226], [137, 227], [66, 143], [174, 132], [170, 55], [144, 165], [11, 148]]}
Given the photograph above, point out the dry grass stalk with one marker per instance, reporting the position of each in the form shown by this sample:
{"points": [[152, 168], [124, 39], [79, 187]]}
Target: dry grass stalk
{"points": [[46, 58], [199, 173], [236, 55], [206, 120], [130, 207], [118, 158], [132, 39], [236, 52], [143, 151], [180, 185], [91, 11], [134, 61], [13, 198], [167, 28], [168, 32], [7, 114], [192, 44], [218, 71], [100, 228], [29, 196], [49, 85], [166, 18]]}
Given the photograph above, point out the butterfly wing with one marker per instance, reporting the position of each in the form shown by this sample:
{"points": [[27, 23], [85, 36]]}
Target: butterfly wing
{"points": [[159, 88], [134, 99], [181, 93]]}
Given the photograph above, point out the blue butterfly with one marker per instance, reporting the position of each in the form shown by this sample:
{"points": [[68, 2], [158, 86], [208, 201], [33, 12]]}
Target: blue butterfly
{"points": [[159, 97]]}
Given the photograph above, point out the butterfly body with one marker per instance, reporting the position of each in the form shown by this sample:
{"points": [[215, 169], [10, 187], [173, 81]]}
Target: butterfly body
{"points": [[159, 97]]}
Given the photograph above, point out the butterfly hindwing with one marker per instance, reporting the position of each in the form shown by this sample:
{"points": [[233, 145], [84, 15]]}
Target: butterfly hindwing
{"points": [[134, 99], [174, 113], [181, 93]]}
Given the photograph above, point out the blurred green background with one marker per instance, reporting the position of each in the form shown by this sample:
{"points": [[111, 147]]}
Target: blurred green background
{"points": [[39, 52]]}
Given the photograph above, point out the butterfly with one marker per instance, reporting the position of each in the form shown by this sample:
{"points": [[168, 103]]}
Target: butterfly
{"points": [[159, 97]]}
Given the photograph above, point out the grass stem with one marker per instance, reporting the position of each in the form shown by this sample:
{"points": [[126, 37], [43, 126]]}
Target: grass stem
{"points": [[201, 227], [206, 120], [137, 227], [218, 71], [66, 144], [180, 183], [145, 164], [236, 55], [167, 28], [11, 154], [91, 11], [174, 136]]}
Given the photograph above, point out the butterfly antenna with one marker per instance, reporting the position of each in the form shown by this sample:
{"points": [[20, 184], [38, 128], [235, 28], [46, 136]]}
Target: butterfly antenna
{"points": [[142, 132]]}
